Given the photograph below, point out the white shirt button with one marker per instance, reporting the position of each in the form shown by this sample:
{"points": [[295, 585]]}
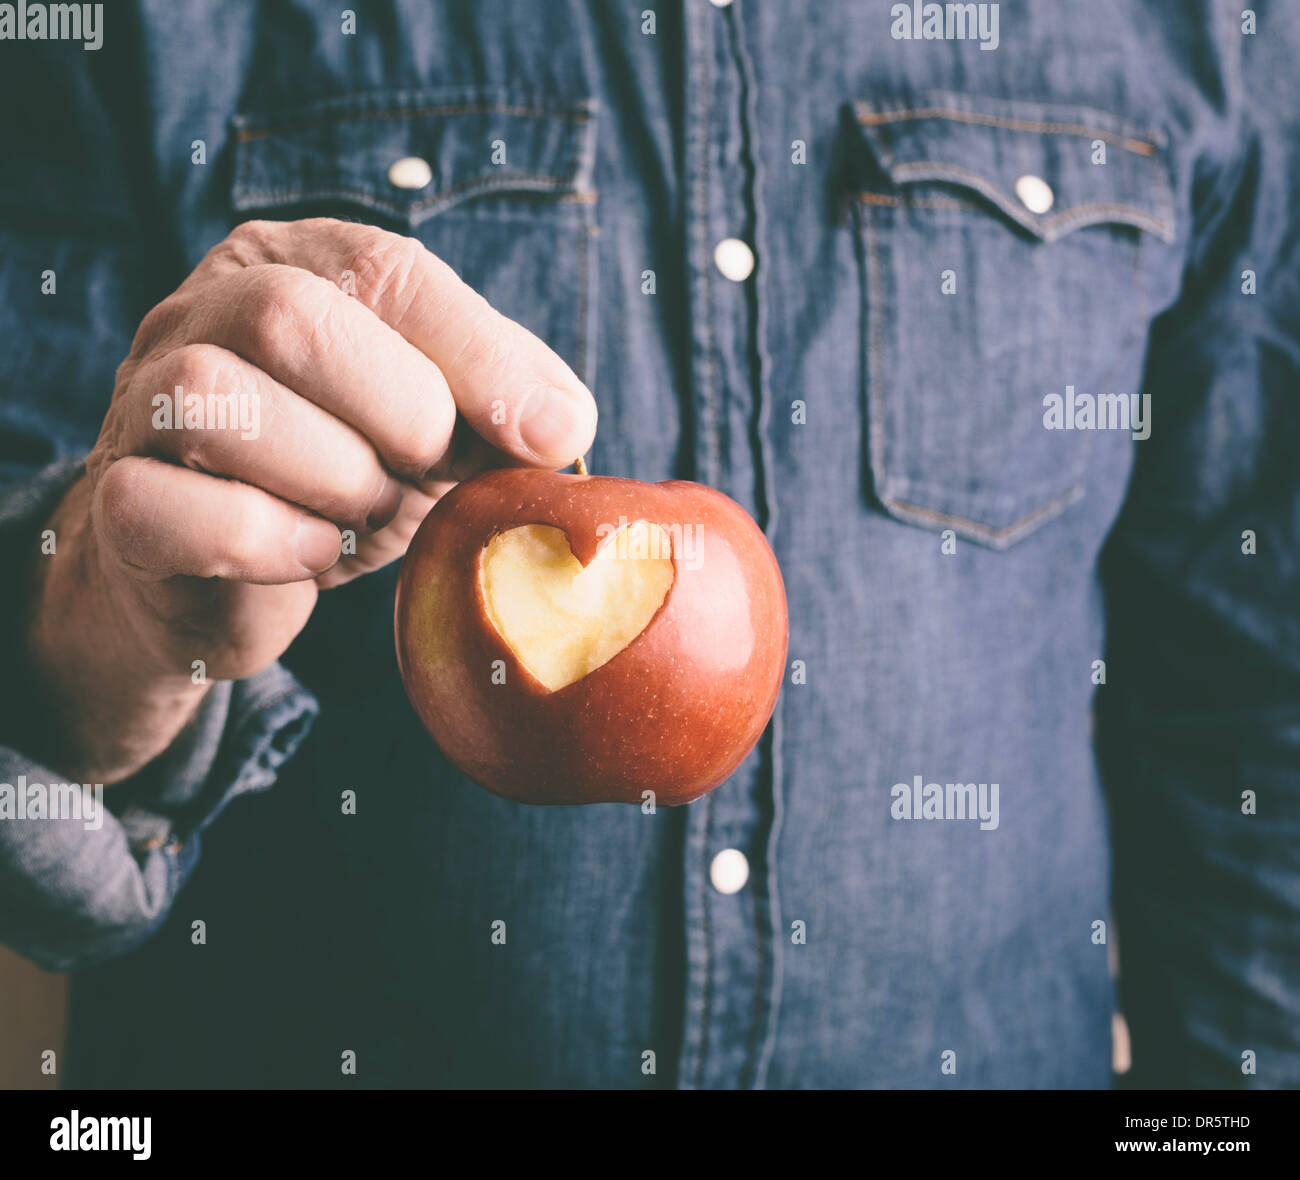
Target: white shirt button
{"points": [[1035, 194], [409, 172], [734, 259], [729, 871]]}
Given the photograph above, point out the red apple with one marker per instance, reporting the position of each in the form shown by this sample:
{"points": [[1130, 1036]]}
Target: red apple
{"points": [[580, 639]]}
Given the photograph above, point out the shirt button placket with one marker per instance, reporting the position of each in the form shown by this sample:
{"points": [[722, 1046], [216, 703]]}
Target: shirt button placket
{"points": [[729, 959]]}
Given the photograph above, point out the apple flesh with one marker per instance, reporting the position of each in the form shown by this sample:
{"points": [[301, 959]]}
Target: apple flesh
{"points": [[583, 639], [561, 619]]}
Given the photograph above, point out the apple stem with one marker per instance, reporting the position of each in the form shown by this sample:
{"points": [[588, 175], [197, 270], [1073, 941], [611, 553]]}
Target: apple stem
{"points": [[580, 465]]}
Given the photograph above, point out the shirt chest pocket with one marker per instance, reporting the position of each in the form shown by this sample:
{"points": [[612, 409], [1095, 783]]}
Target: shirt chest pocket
{"points": [[497, 184], [1003, 249]]}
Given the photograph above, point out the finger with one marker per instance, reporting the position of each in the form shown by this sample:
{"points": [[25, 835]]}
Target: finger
{"points": [[468, 455], [211, 410], [160, 520], [512, 389], [379, 549], [312, 338]]}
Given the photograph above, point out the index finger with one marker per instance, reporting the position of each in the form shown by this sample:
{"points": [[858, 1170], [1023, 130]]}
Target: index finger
{"points": [[514, 391]]}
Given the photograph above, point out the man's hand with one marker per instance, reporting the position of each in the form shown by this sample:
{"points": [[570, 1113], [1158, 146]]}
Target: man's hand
{"points": [[210, 543]]}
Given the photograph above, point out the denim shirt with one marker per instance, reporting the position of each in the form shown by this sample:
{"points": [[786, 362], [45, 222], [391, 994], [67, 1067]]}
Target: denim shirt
{"points": [[1002, 569]]}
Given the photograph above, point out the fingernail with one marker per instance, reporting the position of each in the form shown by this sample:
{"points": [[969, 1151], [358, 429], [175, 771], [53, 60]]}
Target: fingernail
{"points": [[552, 424], [385, 508], [316, 544]]}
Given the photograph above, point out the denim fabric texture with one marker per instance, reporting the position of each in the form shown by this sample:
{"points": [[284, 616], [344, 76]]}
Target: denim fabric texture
{"points": [[874, 396]]}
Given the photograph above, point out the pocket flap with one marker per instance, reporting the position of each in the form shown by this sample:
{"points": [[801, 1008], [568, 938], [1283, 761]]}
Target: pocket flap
{"points": [[474, 141], [998, 150]]}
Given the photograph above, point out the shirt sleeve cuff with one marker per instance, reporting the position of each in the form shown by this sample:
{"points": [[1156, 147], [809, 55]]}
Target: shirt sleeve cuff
{"points": [[236, 743], [79, 888]]}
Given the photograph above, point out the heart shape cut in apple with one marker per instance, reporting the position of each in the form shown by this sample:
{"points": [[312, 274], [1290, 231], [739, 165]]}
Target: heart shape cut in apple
{"points": [[583, 639], [561, 618]]}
